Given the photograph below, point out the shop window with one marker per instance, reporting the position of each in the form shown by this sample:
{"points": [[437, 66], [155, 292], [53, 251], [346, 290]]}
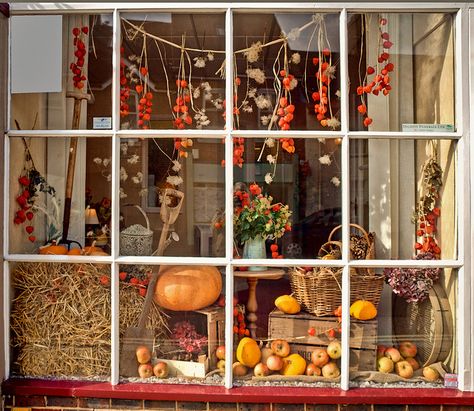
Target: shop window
{"points": [[331, 173]]}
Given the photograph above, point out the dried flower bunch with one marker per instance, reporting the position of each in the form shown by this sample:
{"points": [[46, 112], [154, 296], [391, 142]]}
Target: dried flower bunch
{"points": [[187, 338], [255, 215], [413, 284]]}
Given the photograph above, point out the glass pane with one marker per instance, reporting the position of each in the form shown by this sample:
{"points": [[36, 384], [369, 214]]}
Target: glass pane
{"points": [[172, 197], [407, 337], [46, 210], [183, 338], [171, 71], [401, 71], [403, 199], [300, 202], [81, 97], [286, 71], [282, 339], [60, 320]]}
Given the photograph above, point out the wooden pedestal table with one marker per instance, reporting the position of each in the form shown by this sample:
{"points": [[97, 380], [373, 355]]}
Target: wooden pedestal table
{"points": [[252, 280]]}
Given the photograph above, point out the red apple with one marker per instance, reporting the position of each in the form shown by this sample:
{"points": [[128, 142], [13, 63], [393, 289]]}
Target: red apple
{"points": [[385, 365], [312, 369], [274, 363], [407, 349], [381, 350], [238, 369], [430, 373], [261, 370], [280, 348], [319, 357], [143, 354], [160, 369], [334, 349], [404, 369], [220, 352], [330, 370], [393, 354], [414, 363], [145, 370]]}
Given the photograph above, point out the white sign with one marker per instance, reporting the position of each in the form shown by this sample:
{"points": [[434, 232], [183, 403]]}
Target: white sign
{"points": [[102, 123], [435, 128], [36, 53]]}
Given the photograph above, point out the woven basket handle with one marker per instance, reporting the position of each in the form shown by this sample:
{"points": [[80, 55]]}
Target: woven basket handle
{"points": [[326, 247], [361, 229], [141, 211]]}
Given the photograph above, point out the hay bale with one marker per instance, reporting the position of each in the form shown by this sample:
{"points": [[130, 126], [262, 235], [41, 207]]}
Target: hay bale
{"points": [[61, 319]]}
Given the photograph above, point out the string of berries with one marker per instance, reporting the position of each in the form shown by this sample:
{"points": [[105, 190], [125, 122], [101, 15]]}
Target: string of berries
{"points": [[145, 102], [380, 80], [240, 327], [80, 35], [324, 74], [180, 109], [24, 200], [137, 281], [238, 153], [124, 87]]}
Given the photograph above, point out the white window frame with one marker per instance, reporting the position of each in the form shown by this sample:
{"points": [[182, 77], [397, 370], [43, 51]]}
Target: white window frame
{"points": [[464, 98]]}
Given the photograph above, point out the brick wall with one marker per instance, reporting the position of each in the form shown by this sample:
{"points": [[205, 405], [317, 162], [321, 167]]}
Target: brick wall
{"points": [[49, 403]]}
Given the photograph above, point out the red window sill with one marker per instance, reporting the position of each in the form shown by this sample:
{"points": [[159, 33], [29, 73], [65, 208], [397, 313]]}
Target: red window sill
{"points": [[199, 393]]}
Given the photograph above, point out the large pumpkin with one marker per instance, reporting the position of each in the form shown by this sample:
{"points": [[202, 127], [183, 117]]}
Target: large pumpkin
{"points": [[187, 288]]}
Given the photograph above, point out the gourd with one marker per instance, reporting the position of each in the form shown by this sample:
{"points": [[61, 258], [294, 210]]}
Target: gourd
{"points": [[53, 249], [288, 304], [294, 364], [93, 250], [248, 352], [187, 288], [363, 310], [74, 251]]}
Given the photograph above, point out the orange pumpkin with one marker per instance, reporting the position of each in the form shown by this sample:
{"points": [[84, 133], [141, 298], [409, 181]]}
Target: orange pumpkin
{"points": [[74, 251], [53, 249], [187, 288], [93, 250]]}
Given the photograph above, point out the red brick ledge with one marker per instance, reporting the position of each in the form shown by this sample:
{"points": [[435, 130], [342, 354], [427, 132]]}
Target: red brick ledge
{"points": [[199, 393]]}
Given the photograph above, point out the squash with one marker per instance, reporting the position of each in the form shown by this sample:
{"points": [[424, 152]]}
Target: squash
{"points": [[294, 364], [248, 352], [363, 310], [53, 249], [187, 288], [74, 251], [288, 304], [93, 250]]}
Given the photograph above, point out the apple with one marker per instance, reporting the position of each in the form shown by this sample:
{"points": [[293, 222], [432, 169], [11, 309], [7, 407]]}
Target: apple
{"points": [[319, 357], [393, 354], [160, 369], [238, 369], [414, 363], [407, 349], [220, 365], [430, 373], [143, 354], [404, 369], [381, 350], [385, 365], [312, 369], [266, 353], [145, 370], [280, 348], [220, 352], [330, 370], [261, 370], [274, 363], [334, 349]]}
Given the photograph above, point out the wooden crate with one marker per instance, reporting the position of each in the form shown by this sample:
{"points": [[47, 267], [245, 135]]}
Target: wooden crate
{"points": [[215, 331], [362, 343]]}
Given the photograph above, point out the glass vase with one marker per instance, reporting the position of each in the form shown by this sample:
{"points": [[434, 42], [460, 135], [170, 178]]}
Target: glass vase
{"points": [[255, 248]]}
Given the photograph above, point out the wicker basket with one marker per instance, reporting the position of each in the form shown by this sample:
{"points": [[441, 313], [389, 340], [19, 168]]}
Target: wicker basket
{"points": [[136, 239], [319, 291]]}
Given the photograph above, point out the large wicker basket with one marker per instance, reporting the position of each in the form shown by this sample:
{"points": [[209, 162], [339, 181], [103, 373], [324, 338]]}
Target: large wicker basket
{"points": [[319, 291]]}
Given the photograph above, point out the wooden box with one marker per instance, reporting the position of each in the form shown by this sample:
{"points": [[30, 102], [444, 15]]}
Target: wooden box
{"points": [[294, 328]]}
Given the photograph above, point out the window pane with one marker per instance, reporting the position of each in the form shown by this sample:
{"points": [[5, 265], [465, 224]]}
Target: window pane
{"points": [[163, 87], [39, 193], [60, 320], [299, 348], [411, 337], [84, 86], [286, 71], [305, 191], [401, 71], [403, 197], [186, 174], [183, 336]]}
